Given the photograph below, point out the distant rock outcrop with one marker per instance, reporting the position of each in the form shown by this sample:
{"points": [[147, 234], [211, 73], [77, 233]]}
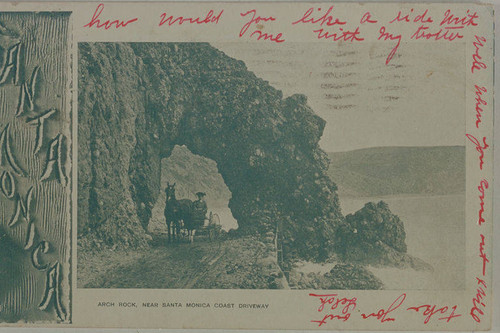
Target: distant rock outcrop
{"points": [[375, 223], [373, 235]]}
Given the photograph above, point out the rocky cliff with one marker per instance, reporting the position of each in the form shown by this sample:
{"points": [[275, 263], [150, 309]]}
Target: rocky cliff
{"points": [[138, 100]]}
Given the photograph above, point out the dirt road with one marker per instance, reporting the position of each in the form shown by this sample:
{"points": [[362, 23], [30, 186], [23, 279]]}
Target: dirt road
{"points": [[238, 263]]}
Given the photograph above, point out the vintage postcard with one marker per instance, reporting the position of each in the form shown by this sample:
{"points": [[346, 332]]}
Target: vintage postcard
{"points": [[246, 165]]}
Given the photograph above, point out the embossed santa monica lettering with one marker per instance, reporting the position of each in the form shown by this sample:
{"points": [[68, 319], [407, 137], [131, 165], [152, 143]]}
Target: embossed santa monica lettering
{"points": [[11, 64], [22, 206], [54, 161], [6, 151], [7, 184], [52, 291], [27, 94], [43, 247], [39, 121]]}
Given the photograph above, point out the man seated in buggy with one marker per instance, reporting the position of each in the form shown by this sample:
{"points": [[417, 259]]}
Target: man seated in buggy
{"points": [[198, 217]]}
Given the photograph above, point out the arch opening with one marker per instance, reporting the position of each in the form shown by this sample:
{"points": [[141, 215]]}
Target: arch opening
{"points": [[192, 173]]}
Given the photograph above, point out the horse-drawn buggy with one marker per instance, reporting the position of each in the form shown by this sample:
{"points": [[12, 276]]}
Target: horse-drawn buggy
{"points": [[185, 217]]}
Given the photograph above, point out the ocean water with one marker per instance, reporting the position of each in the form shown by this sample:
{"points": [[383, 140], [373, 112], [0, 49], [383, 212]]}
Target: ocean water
{"points": [[435, 233]]}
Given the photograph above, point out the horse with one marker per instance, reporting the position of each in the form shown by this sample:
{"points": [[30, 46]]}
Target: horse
{"points": [[175, 212]]}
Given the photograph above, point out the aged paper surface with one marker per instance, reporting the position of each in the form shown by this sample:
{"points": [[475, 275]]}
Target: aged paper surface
{"points": [[246, 165]]}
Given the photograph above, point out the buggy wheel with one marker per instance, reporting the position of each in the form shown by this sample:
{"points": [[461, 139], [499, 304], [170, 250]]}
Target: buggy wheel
{"points": [[214, 227]]}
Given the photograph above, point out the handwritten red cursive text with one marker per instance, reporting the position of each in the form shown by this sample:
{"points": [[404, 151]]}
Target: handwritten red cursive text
{"points": [[422, 18], [479, 103], [254, 19], [211, 17], [95, 21], [483, 186], [343, 35], [327, 18], [478, 301], [479, 148], [430, 310], [382, 313], [367, 18], [320, 19], [388, 36], [465, 21], [482, 255], [476, 58], [332, 302], [446, 33]]}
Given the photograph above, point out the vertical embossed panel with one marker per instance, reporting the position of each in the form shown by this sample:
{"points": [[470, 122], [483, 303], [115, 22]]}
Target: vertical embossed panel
{"points": [[35, 141]]}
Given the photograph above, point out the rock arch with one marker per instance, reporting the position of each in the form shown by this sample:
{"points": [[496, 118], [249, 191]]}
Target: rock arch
{"points": [[138, 100], [192, 173]]}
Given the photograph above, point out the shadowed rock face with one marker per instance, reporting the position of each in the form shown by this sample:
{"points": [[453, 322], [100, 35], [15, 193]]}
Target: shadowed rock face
{"points": [[138, 100]]}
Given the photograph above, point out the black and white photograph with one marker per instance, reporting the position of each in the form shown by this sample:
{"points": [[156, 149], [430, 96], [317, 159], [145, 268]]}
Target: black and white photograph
{"points": [[201, 170]]}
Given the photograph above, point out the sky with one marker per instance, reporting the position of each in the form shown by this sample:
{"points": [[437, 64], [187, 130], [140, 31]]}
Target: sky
{"points": [[416, 100]]}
